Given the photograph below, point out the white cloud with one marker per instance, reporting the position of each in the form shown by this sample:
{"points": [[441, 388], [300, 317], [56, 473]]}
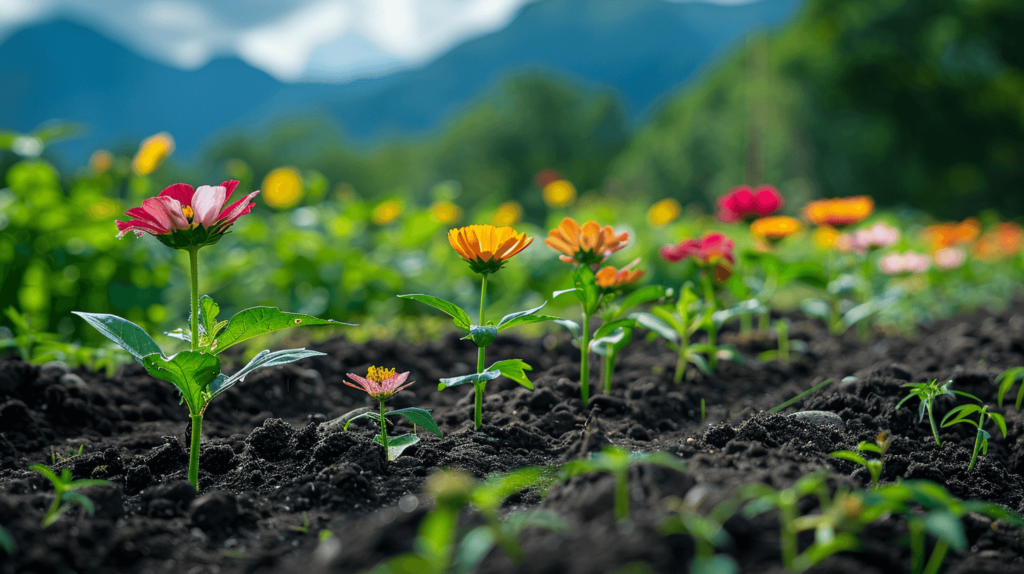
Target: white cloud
{"points": [[282, 48]]}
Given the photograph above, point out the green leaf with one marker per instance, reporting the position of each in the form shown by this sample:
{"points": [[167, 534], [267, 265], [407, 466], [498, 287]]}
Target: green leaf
{"points": [[859, 313], [473, 549], [517, 521], [656, 325], [208, 311], [496, 488], [959, 414], [190, 371], [81, 500], [7, 542], [1000, 422], [700, 362], [557, 294], [816, 308], [850, 456], [261, 360], [461, 318], [482, 335], [128, 335], [418, 417], [612, 343], [1006, 380], [610, 327], [257, 321], [946, 527], [514, 369], [573, 327], [641, 296], [503, 324], [748, 307], [398, 444], [587, 289], [717, 564], [527, 320], [475, 378]]}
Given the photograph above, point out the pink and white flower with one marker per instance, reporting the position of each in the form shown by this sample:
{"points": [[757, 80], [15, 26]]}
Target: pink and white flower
{"points": [[949, 258], [179, 208], [900, 263], [380, 383]]}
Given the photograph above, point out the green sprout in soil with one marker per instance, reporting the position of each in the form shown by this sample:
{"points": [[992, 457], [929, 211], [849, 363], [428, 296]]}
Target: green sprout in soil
{"points": [[486, 248], [960, 415], [707, 531], [441, 547], [382, 384], [1006, 380], [874, 465], [676, 324], [65, 496], [617, 461], [188, 220], [926, 393]]}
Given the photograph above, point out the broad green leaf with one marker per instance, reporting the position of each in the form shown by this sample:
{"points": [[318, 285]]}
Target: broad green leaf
{"points": [[475, 378], [526, 320], [850, 456], [641, 296], [454, 311], [748, 307], [946, 527], [190, 371], [260, 320], [513, 316], [491, 494], [610, 327], [208, 311], [482, 335], [656, 325], [472, 550], [866, 446], [573, 327], [514, 369], [613, 342], [261, 360], [128, 335], [398, 444], [700, 362], [418, 417], [859, 313]]}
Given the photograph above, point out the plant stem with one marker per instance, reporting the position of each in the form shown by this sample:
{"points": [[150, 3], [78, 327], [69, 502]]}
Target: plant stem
{"points": [[680, 365], [609, 366], [938, 555], [787, 514], [585, 360], [916, 546], [193, 260], [977, 439], [935, 429], [478, 388], [622, 495], [709, 312], [384, 431], [193, 452]]}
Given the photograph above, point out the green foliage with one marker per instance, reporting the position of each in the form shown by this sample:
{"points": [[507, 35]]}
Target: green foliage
{"points": [[960, 414], [616, 461], [1006, 380], [65, 488], [926, 393], [874, 466], [513, 369], [39, 347]]}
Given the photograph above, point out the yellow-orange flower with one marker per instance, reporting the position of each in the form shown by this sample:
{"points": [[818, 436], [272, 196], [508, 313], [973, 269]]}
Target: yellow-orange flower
{"points": [[826, 237], [1005, 240], [386, 211], [486, 247], [508, 213], [559, 193], [587, 245], [101, 160], [153, 151], [774, 228], [610, 278], [446, 212], [942, 235], [839, 212], [282, 188], [664, 212]]}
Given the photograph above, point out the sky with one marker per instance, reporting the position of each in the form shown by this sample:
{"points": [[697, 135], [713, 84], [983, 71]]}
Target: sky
{"points": [[292, 40]]}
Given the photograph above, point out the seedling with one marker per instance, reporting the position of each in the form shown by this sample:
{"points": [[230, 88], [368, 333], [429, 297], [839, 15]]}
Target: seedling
{"points": [[587, 247], [7, 542], [305, 525], [676, 324], [187, 219], [486, 248], [616, 461], [874, 466], [382, 384], [785, 347], [927, 393], [64, 488], [442, 548], [55, 457], [706, 530], [1006, 380], [959, 415]]}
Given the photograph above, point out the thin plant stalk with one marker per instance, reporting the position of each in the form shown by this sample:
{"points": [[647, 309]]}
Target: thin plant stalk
{"points": [[478, 388], [938, 555], [193, 260], [384, 430], [787, 535], [977, 439], [193, 452], [585, 359], [197, 418], [608, 368], [931, 420]]}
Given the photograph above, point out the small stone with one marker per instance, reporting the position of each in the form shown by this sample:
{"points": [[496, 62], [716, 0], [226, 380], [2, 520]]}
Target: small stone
{"points": [[820, 419], [848, 382], [55, 368]]}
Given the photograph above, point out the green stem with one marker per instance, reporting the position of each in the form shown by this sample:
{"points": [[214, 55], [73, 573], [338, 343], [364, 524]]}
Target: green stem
{"points": [[193, 260], [193, 452], [916, 546], [680, 365], [935, 429], [977, 439], [938, 555], [787, 514], [585, 360], [609, 366], [384, 430], [622, 496], [478, 388], [709, 323]]}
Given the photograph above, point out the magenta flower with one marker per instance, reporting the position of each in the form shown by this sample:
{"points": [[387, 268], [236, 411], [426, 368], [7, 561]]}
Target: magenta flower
{"points": [[380, 383], [183, 218]]}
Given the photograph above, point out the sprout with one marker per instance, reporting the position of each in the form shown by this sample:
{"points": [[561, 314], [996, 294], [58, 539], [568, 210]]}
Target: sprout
{"points": [[64, 488]]}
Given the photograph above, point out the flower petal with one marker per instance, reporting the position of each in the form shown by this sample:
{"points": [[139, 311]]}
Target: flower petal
{"points": [[237, 209], [207, 204], [182, 192], [230, 186]]}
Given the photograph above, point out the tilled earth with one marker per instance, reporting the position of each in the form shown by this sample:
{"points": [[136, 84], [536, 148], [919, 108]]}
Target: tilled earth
{"points": [[274, 471]]}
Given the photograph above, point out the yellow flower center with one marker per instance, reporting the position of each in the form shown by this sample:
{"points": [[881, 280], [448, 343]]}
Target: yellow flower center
{"points": [[188, 212], [380, 374]]}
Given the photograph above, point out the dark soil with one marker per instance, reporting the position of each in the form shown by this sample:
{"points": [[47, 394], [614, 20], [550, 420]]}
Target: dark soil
{"points": [[270, 461]]}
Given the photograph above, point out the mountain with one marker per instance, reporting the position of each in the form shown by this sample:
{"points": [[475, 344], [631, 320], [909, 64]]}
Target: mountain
{"points": [[643, 49]]}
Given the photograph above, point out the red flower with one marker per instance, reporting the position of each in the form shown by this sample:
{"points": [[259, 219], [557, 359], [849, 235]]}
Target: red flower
{"points": [[181, 217], [744, 202], [713, 250]]}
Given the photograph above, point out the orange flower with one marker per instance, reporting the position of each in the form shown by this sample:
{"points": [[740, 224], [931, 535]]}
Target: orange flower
{"points": [[1005, 240], [942, 235], [610, 278], [839, 212], [587, 245], [826, 237], [774, 228], [487, 247]]}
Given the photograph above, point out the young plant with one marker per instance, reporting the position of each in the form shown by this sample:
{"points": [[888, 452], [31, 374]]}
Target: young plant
{"points": [[616, 461], [64, 489], [927, 393], [706, 530], [961, 413], [1006, 380], [874, 466], [187, 219], [382, 384], [586, 248], [785, 347], [676, 324], [441, 547], [486, 248], [714, 256]]}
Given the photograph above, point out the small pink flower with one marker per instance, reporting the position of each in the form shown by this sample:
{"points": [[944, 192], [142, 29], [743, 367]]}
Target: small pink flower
{"points": [[200, 213], [380, 383], [949, 258], [878, 236], [909, 262]]}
